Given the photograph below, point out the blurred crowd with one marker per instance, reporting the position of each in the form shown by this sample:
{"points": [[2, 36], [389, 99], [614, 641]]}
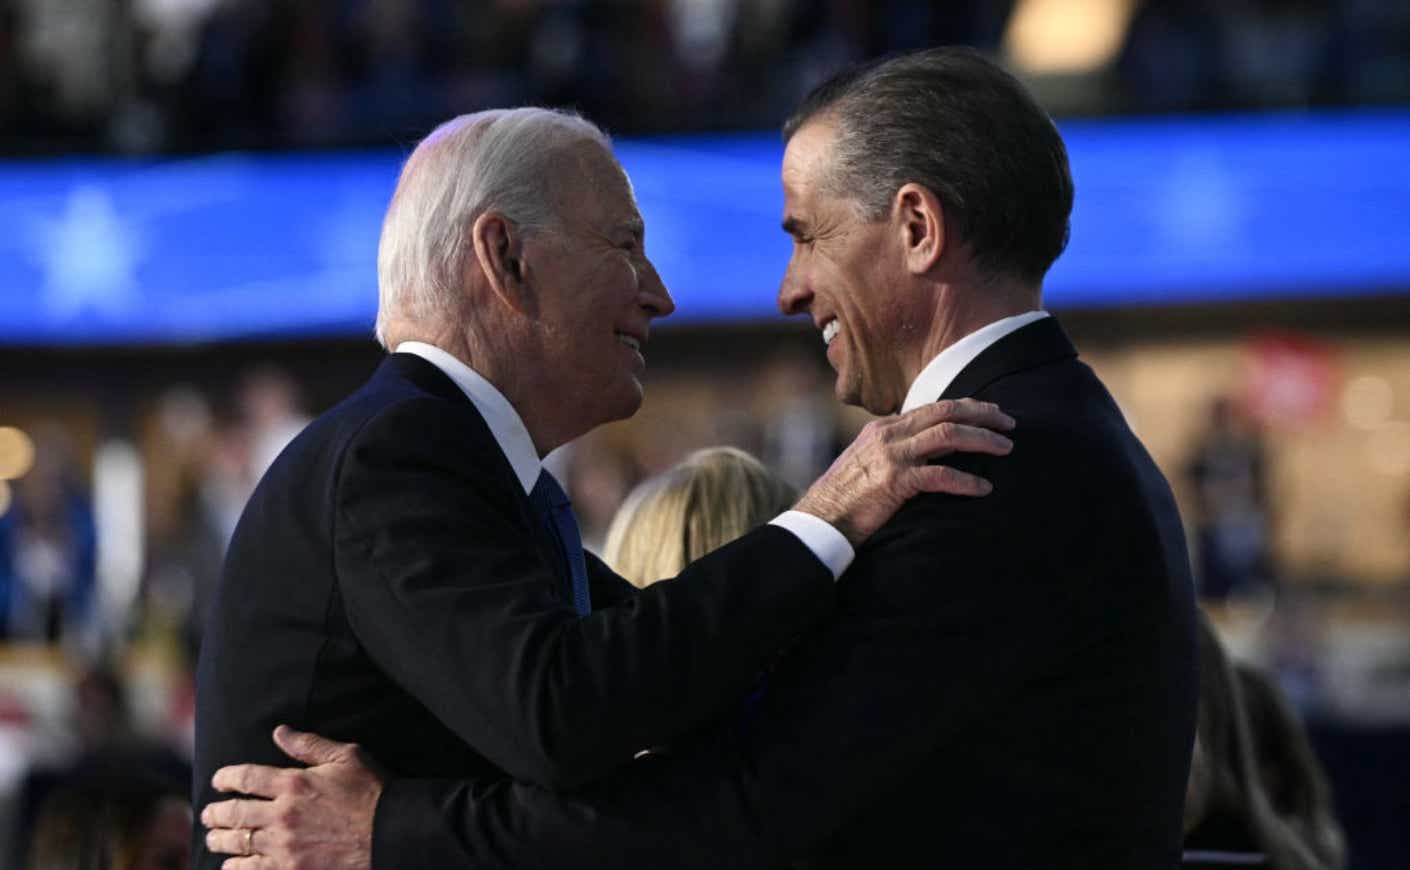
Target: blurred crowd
{"points": [[153, 76], [97, 700]]}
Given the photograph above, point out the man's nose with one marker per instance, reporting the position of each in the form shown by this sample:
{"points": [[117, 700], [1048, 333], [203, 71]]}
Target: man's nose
{"points": [[793, 294], [655, 298]]}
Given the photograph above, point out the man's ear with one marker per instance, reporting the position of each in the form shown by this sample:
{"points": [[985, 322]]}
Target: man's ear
{"points": [[499, 255], [920, 219]]}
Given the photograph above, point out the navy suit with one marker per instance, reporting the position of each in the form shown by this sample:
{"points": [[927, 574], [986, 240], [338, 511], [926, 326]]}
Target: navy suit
{"points": [[389, 584], [1008, 682]]}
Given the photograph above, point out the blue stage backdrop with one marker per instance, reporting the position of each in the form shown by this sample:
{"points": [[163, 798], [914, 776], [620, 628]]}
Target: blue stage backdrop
{"points": [[1168, 212]]}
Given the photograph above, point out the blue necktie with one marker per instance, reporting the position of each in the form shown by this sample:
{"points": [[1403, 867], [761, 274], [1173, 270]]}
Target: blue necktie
{"points": [[556, 513]]}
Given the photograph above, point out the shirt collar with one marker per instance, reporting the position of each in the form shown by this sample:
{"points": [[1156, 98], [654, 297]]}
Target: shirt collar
{"points": [[935, 378], [504, 422]]}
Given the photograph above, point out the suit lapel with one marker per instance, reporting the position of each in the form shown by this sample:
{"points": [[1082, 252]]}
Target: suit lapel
{"points": [[1039, 343], [428, 378]]}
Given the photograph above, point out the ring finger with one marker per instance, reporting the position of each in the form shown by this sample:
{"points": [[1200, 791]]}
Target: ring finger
{"points": [[234, 841]]}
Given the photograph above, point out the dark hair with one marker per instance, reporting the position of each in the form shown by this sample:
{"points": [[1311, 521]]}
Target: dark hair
{"points": [[1288, 768], [957, 123], [97, 819], [1229, 784]]}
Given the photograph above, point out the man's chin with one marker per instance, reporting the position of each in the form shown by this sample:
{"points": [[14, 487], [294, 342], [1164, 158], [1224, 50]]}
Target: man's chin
{"points": [[849, 393], [852, 394], [630, 401], [612, 405]]}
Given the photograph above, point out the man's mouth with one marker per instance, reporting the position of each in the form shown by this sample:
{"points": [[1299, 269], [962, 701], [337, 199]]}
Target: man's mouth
{"points": [[629, 341], [830, 330]]}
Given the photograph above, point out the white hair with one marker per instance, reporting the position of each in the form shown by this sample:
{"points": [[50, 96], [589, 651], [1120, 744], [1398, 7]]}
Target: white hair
{"points": [[501, 159]]}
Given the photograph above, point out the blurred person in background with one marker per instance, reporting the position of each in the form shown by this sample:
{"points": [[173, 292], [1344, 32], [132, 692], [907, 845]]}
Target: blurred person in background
{"points": [[1005, 683], [98, 756], [208, 75], [48, 547], [270, 408], [408, 575], [186, 545], [115, 819], [227, 476], [1288, 768], [1229, 477], [712, 497], [801, 429], [266, 417], [1231, 819]]}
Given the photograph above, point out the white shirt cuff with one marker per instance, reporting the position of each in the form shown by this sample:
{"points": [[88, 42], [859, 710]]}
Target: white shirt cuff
{"points": [[818, 535]]}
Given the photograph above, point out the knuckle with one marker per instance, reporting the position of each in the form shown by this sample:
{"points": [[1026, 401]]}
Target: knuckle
{"points": [[905, 453], [291, 782], [287, 817]]}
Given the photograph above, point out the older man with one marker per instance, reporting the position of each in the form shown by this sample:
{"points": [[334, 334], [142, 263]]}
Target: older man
{"points": [[1036, 710], [408, 576]]}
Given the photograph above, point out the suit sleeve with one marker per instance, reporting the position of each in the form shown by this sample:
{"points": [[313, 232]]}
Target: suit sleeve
{"points": [[445, 589], [923, 648], [607, 588]]}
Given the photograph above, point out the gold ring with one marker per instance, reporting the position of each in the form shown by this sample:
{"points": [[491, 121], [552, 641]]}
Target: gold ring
{"points": [[249, 841]]}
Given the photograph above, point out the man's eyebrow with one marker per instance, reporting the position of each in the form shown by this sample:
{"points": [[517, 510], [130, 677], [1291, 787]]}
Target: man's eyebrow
{"points": [[636, 226], [794, 227]]}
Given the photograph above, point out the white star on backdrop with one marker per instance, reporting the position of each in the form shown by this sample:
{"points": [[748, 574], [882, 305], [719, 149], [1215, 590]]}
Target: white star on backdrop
{"points": [[89, 256]]}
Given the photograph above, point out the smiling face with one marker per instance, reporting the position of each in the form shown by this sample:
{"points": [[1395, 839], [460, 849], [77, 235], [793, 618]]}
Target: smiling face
{"points": [[596, 292], [847, 274]]}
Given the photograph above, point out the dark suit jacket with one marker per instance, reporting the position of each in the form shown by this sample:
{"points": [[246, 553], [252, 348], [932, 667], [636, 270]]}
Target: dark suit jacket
{"points": [[1006, 682], [389, 584]]}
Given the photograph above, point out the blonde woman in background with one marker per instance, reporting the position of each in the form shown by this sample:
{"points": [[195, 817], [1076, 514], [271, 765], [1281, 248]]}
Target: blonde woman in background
{"points": [[1232, 816], [670, 520]]}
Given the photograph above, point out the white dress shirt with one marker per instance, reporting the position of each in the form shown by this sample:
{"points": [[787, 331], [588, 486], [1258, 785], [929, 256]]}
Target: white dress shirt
{"points": [[819, 536], [935, 378]]}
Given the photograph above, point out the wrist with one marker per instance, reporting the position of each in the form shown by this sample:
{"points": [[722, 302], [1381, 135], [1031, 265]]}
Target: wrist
{"points": [[830, 512]]}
